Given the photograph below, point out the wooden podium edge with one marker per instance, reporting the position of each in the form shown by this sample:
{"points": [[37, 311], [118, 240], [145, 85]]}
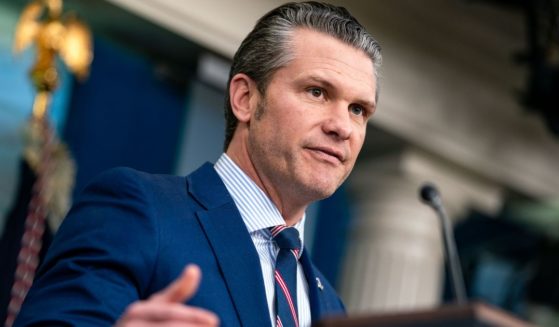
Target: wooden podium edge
{"points": [[492, 314]]}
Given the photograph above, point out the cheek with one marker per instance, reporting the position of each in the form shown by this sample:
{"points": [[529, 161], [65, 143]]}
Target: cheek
{"points": [[357, 144], [290, 127]]}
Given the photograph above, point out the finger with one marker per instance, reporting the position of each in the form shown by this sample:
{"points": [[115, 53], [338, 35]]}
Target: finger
{"points": [[149, 311], [183, 288]]}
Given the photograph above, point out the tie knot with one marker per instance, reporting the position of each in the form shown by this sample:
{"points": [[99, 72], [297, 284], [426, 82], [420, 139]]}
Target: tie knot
{"points": [[286, 237]]}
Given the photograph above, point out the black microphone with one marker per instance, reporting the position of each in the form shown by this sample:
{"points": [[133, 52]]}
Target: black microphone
{"points": [[430, 196]]}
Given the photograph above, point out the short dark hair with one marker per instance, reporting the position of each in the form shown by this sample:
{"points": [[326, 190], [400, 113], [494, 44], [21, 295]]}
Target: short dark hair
{"points": [[266, 47]]}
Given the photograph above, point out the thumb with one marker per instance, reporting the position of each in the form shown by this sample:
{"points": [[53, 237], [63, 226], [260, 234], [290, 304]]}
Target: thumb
{"points": [[183, 288]]}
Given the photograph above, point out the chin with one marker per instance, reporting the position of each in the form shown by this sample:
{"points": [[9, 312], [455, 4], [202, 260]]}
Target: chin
{"points": [[325, 195], [321, 191], [317, 185]]}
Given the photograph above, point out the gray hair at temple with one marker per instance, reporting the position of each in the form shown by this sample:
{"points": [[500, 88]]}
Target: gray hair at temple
{"points": [[267, 47]]}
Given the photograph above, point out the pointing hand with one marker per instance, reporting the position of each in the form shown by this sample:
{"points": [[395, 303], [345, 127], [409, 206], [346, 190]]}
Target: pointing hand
{"points": [[167, 308]]}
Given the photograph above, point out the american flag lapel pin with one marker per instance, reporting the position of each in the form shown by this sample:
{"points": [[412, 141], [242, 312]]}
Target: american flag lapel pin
{"points": [[319, 284]]}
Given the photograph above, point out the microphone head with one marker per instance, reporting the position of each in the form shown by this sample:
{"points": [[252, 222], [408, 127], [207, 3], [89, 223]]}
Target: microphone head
{"points": [[429, 194]]}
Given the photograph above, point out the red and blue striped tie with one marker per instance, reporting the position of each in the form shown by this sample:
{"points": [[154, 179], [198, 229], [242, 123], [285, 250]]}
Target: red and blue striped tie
{"points": [[285, 275]]}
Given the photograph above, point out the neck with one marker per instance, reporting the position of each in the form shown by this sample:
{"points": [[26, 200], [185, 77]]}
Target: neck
{"points": [[290, 210]]}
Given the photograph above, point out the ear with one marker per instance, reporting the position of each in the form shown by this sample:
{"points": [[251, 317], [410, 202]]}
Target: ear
{"points": [[243, 95]]}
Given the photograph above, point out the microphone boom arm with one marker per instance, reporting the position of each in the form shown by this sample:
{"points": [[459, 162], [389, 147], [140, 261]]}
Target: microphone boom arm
{"points": [[430, 196]]}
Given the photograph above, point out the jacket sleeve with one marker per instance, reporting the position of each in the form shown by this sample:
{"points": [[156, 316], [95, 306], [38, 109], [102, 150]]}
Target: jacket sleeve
{"points": [[102, 258]]}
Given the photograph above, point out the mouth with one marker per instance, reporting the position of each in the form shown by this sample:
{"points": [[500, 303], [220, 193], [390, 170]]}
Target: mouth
{"points": [[329, 154]]}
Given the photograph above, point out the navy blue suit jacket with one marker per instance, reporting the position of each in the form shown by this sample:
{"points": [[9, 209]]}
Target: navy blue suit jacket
{"points": [[130, 234]]}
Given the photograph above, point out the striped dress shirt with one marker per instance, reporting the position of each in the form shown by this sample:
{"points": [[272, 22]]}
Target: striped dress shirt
{"points": [[259, 213]]}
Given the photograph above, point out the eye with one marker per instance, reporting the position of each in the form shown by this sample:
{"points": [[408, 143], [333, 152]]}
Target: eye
{"points": [[357, 110], [316, 92]]}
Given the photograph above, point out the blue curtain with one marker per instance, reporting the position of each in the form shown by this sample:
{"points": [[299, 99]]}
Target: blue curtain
{"points": [[123, 115]]}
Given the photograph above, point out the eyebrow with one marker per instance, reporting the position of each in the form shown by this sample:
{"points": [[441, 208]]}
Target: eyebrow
{"points": [[326, 84]]}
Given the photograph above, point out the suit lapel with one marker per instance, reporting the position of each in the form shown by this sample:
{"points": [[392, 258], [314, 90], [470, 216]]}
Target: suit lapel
{"points": [[322, 297], [316, 298], [232, 246]]}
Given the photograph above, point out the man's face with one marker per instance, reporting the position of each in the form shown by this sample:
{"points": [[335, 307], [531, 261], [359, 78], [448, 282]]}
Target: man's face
{"points": [[310, 125]]}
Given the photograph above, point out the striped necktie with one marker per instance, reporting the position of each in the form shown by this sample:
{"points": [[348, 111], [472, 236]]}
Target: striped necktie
{"points": [[285, 275]]}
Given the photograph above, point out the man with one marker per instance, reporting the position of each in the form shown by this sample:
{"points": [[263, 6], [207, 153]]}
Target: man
{"points": [[302, 87]]}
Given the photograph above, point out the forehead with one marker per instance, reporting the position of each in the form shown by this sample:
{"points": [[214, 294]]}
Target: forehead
{"points": [[319, 53]]}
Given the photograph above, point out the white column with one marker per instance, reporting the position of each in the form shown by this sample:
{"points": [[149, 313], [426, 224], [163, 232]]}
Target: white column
{"points": [[395, 258]]}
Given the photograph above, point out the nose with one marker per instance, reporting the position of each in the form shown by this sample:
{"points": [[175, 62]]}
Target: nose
{"points": [[338, 123]]}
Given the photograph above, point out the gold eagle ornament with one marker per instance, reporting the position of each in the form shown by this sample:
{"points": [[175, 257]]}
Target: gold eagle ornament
{"points": [[42, 23]]}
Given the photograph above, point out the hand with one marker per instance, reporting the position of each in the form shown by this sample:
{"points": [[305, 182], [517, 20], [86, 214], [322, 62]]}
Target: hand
{"points": [[166, 307]]}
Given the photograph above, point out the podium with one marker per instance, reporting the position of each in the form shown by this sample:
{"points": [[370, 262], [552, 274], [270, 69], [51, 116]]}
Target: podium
{"points": [[470, 315]]}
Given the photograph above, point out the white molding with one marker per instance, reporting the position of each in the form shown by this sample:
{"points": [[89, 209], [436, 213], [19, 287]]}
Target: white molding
{"points": [[217, 25]]}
